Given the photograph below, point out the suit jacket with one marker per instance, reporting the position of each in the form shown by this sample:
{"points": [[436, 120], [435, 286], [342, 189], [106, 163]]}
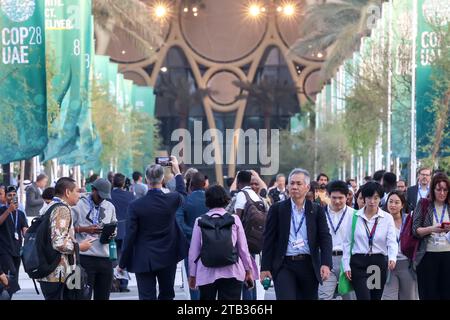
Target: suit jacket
{"points": [[153, 239], [276, 237], [34, 200], [411, 197], [193, 207], [121, 199]]}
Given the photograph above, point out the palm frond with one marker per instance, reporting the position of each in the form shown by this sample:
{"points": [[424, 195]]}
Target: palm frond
{"points": [[134, 18]]}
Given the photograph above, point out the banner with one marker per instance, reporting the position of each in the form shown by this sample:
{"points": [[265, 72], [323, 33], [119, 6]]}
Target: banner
{"points": [[85, 141], [430, 12], [67, 34], [144, 101], [23, 97]]}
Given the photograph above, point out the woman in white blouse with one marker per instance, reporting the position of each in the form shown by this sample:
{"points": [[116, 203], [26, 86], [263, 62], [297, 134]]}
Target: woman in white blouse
{"points": [[373, 248], [401, 283]]}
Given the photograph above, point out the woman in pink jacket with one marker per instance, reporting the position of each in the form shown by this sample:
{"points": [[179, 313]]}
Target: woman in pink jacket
{"points": [[219, 260]]}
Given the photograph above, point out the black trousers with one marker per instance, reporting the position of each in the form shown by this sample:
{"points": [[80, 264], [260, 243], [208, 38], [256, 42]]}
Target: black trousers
{"points": [[146, 282], [364, 267], [10, 265], [221, 289], [296, 280], [100, 275], [51, 290], [433, 278]]}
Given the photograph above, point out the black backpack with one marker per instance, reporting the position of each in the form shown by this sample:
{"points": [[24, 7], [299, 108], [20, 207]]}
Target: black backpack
{"points": [[38, 256], [254, 220], [217, 244]]}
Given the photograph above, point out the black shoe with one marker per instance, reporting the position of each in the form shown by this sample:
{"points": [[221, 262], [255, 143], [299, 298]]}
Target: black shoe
{"points": [[124, 290]]}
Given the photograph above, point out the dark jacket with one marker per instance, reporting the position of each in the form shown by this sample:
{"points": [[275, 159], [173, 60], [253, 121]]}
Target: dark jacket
{"points": [[193, 207], [276, 237], [422, 218], [411, 197], [121, 199], [153, 238], [34, 200]]}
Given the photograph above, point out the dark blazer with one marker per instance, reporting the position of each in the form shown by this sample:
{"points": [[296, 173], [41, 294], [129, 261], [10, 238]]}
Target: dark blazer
{"points": [[121, 199], [276, 237], [411, 197], [153, 239], [34, 200], [193, 207]]}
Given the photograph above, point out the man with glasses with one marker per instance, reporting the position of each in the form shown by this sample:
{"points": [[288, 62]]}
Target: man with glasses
{"points": [[420, 190]]}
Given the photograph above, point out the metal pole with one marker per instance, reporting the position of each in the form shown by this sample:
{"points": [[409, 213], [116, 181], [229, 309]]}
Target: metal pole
{"points": [[389, 104], [413, 167]]}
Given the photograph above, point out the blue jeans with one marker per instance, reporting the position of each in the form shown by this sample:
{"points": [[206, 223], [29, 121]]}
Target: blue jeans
{"points": [[195, 294], [249, 294]]}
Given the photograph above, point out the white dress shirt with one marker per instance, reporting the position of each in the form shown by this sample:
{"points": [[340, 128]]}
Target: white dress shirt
{"points": [[384, 241], [344, 228]]}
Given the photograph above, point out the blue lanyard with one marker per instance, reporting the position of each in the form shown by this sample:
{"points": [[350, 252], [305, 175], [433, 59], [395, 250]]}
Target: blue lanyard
{"points": [[371, 234], [442, 215], [297, 230], [335, 230], [17, 220], [401, 227], [57, 200]]}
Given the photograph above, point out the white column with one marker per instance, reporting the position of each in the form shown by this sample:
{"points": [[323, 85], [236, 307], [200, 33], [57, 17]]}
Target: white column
{"points": [[413, 166], [389, 104], [352, 167]]}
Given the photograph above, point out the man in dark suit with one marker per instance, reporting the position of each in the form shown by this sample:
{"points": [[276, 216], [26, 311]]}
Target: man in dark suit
{"points": [[154, 243], [121, 199], [34, 201], [297, 243], [420, 190]]}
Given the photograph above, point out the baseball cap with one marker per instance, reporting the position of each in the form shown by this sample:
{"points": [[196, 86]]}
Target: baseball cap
{"points": [[103, 188]]}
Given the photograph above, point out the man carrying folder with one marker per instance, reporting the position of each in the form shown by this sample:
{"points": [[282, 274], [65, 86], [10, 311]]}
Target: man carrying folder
{"points": [[92, 212]]}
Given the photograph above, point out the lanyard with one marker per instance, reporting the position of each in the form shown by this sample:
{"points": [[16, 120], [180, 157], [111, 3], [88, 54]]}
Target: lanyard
{"points": [[401, 228], [442, 215], [297, 230], [335, 230], [57, 200], [370, 234], [17, 220]]}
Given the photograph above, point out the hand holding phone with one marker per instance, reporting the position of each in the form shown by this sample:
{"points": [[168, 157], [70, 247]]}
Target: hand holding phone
{"points": [[163, 161], [445, 224]]}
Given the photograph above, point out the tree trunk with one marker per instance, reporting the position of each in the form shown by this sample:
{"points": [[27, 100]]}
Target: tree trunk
{"points": [[6, 174], [29, 167], [102, 38]]}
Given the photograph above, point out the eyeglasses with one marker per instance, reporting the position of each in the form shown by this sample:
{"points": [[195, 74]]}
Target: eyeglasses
{"points": [[425, 174], [441, 190]]}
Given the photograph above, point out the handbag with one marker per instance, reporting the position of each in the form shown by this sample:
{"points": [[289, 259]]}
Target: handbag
{"points": [[76, 285], [408, 243], [345, 285]]}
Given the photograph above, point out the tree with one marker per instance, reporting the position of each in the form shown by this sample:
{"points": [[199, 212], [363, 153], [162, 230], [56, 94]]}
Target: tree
{"points": [[440, 77], [335, 28], [131, 16]]}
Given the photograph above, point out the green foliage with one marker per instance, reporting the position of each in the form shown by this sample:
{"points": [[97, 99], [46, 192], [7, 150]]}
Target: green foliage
{"points": [[438, 147], [298, 150]]}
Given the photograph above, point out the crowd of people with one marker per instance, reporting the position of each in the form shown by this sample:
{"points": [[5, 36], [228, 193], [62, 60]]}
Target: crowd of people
{"points": [[307, 238]]}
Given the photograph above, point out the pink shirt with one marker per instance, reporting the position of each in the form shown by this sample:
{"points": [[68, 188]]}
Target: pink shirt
{"points": [[205, 275]]}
